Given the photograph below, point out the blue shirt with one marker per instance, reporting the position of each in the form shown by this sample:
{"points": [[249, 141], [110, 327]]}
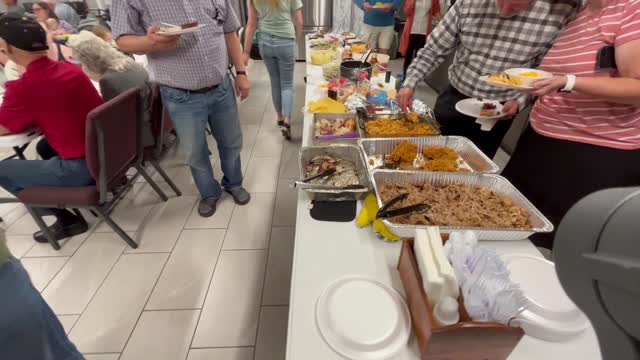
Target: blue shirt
{"points": [[377, 17]]}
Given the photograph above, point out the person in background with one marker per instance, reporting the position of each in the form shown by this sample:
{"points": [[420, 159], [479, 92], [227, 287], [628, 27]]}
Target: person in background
{"points": [[13, 8], [114, 72], [30, 329], [279, 24], [65, 98], [584, 133], [65, 12], [420, 17], [45, 14], [379, 21], [195, 86], [488, 37]]}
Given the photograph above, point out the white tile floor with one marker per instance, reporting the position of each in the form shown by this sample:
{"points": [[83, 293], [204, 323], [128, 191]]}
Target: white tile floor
{"points": [[196, 289]]}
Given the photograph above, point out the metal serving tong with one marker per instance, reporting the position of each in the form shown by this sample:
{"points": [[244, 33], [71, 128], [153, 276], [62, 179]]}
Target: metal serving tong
{"points": [[322, 174], [385, 213]]}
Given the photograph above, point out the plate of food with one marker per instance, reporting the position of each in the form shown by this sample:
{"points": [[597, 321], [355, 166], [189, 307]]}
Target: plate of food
{"points": [[378, 5], [528, 76], [484, 109], [171, 30], [516, 78]]}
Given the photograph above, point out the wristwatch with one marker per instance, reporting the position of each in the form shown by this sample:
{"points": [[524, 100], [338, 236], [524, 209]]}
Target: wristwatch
{"points": [[571, 82], [241, 72]]}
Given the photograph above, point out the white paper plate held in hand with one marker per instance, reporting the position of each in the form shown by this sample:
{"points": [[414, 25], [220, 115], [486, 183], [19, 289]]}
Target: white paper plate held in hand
{"points": [[489, 79], [474, 108], [171, 30], [362, 319], [550, 315]]}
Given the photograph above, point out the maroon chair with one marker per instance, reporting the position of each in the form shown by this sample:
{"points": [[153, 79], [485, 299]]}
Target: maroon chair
{"points": [[114, 145], [161, 126]]}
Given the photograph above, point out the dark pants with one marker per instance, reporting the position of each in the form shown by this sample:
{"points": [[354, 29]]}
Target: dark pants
{"points": [[554, 174], [16, 175], [455, 123], [416, 42]]}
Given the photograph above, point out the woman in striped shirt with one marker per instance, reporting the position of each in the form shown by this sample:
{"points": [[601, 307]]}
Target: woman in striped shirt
{"points": [[584, 134]]}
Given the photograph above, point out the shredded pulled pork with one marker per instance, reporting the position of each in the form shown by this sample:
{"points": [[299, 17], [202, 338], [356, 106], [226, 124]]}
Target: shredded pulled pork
{"points": [[456, 205]]}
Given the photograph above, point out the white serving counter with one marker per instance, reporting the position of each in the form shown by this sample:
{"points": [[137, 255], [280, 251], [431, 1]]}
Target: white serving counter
{"points": [[326, 251]]}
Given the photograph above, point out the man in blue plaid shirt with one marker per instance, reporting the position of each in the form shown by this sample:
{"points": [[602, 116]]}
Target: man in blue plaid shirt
{"points": [[196, 89], [488, 37]]}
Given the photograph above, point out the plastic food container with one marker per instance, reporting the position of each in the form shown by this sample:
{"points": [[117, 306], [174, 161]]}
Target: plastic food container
{"points": [[318, 136]]}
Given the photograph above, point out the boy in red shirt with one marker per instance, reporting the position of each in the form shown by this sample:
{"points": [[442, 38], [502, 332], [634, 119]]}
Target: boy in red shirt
{"points": [[55, 97]]}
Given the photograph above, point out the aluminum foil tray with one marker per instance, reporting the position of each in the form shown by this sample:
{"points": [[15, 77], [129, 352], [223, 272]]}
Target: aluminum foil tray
{"points": [[364, 116], [344, 151], [469, 153], [500, 185]]}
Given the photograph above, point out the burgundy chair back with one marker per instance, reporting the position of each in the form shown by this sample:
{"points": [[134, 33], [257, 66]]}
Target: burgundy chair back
{"points": [[160, 122], [114, 138], [156, 112]]}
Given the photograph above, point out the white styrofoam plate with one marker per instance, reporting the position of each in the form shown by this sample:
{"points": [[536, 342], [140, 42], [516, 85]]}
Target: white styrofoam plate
{"points": [[361, 318], [472, 107], [182, 31], [551, 315], [485, 78]]}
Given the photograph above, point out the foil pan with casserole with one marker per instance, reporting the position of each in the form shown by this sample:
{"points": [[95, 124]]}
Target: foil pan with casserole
{"points": [[484, 203]]}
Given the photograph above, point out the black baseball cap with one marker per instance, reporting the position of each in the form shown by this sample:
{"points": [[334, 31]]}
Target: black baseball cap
{"points": [[23, 33]]}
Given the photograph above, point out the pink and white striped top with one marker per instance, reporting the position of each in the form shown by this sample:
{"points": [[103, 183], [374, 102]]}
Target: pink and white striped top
{"points": [[581, 118]]}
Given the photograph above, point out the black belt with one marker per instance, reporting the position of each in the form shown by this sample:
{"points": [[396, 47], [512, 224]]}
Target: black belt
{"points": [[200, 91]]}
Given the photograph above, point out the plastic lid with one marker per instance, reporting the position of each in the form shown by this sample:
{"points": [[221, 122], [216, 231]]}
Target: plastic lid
{"points": [[361, 318], [550, 300], [446, 311]]}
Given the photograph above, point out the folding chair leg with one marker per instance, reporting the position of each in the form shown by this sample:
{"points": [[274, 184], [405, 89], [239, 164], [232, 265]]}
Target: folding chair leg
{"points": [[45, 229], [153, 184], [165, 177], [118, 230]]}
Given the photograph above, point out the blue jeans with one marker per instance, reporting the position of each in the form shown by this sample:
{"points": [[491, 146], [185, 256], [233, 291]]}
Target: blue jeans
{"points": [[30, 330], [16, 175], [279, 55], [191, 113]]}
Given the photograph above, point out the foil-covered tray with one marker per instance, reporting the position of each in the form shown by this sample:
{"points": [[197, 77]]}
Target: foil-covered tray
{"points": [[344, 151], [365, 116], [540, 224], [474, 159]]}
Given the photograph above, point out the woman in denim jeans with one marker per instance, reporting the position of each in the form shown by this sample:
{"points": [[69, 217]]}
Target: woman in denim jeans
{"points": [[279, 24]]}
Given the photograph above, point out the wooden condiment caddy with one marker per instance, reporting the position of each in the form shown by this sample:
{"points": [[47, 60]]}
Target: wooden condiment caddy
{"points": [[466, 340]]}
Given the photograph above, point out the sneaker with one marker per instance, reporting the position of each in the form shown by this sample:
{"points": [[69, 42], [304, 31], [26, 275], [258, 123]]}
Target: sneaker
{"points": [[207, 207], [61, 232], [240, 195]]}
